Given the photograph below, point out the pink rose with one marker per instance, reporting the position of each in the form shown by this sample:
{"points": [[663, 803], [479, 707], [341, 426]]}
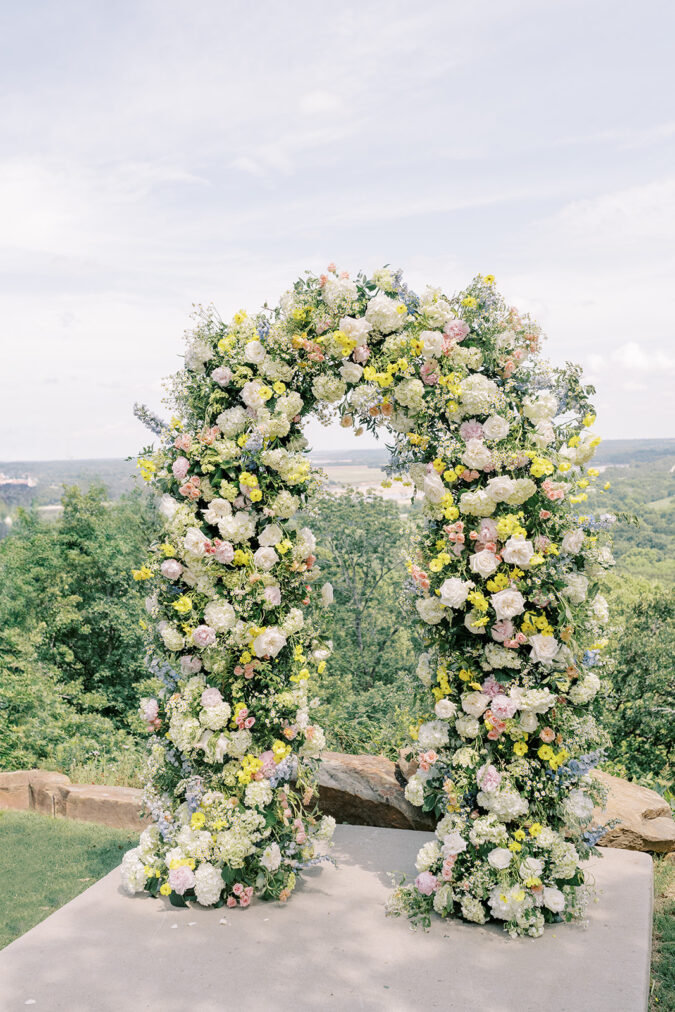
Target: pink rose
{"points": [[238, 888], [222, 375], [456, 329], [181, 879], [503, 630], [429, 372], [488, 778], [204, 636], [231, 902], [180, 467], [361, 354], [272, 596], [268, 763], [491, 687], [448, 866], [171, 569], [224, 553], [426, 883], [503, 707], [211, 697]]}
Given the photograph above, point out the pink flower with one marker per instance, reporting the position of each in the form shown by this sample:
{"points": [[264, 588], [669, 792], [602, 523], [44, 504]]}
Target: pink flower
{"points": [[488, 778], [238, 888], [503, 707], [191, 489], [231, 902], [171, 569], [471, 430], [448, 865], [426, 883], [503, 630], [272, 595], [544, 515], [361, 354], [224, 552], [183, 442], [150, 709], [180, 468], [222, 375], [491, 687], [541, 542], [190, 665], [547, 734], [331, 268], [181, 879], [204, 636], [427, 759], [429, 372], [456, 329], [211, 697]]}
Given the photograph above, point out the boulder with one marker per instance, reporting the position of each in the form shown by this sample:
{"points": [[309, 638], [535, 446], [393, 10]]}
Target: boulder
{"points": [[363, 790], [20, 788], [119, 807], [645, 820]]}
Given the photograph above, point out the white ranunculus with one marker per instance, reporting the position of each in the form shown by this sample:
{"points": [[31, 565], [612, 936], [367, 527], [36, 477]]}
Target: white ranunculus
{"points": [[544, 648], [254, 352], [495, 428], [500, 858], [500, 488], [432, 343], [220, 615], [476, 455], [445, 709], [454, 592], [475, 703], [518, 551], [508, 603], [573, 541], [430, 610], [576, 587], [484, 563], [351, 372], [269, 642], [434, 489], [265, 559]]}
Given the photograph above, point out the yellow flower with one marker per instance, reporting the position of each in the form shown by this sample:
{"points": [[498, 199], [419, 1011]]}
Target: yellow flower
{"points": [[535, 829], [183, 605], [165, 889], [545, 753], [239, 558], [520, 748], [519, 835], [144, 573], [198, 819], [470, 302], [255, 495], [588, 420], [240, 316]]}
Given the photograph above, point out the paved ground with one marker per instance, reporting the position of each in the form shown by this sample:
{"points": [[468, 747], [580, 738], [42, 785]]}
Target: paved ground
{"points": [[331, 948]]}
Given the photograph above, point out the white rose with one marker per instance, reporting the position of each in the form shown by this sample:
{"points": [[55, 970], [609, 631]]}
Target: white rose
{"points": [[508, 603], [269, 643], [454, 592], [484, 563], [445, 709], [576, 587], [496, 428], [270, 536], [351, 372], [271, 857], [544, 648], [544, 434], [477, 455], [219, 615], [167, 506], [434, 489], [265, 558], [357, 330], [430, 610], [432, 343], [554, 900], [254, 352], [500, 858], [250, 394], [518, 551], [194, 542], [475, 703], [453, 843], [573, 541], [500, 488]]}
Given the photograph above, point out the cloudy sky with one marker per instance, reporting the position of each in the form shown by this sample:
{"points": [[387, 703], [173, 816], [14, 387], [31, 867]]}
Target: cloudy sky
{"points": [[159, 154]]}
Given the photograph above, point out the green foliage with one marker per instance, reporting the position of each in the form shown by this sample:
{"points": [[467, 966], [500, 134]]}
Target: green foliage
{"points": [[75, 854], [663, 952], [638, 711], [68, 586]]}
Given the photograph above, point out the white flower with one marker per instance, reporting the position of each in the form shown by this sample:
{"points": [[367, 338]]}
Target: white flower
{"points": [[215, 717], [507, 603], [445, 709], [531, 867], [579, 805], [454, 591], [484, 563], [208, 884], [258, 794], [499, 858], [544, 648], [576, 587], [430, 610], [584, 691], [496, 428], [554, 900], [573, 541], [541, 408], [218, 508], [414, 791], [232, 421], [270, 536], [433, 734], [133, 872], [432, 343], [351, 372], [269, 642], [477, 455], [271, 857], [237, 528], [524, 489], [477, 504], [544, 434], [434, 489], [475, 703], [472, 620], [194, 542], [339, 292], [254, 352], [518, 551], [357, 330], [478, 394], [424, 672], [427, 855], [168, 506], [327, 595], [384, 313], [265, 559], [500, 488], [328, 388], [251, 396], [220, 615], [172, 638], [454, 843], [467, 727], [410, 393], [600, 608], [506, 903]]}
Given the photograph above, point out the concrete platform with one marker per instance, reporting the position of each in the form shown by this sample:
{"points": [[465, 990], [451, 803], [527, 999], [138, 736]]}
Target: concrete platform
{"points": [[331, 948]]}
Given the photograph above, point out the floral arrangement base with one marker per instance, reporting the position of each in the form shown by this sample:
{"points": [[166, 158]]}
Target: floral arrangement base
{"points": [[347, 953]]}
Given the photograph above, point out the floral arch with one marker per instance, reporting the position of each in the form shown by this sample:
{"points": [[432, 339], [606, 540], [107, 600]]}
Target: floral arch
{"points": [[504, 581]]}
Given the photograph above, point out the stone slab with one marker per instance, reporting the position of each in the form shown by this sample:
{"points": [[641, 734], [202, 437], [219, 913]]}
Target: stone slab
{"points": [[331, 947]]}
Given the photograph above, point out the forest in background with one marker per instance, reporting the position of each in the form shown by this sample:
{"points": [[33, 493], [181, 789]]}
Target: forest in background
{"points": [[72, 648]]}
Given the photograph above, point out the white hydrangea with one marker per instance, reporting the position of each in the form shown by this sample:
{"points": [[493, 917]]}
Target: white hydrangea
{"points": [[339, 293], [506, 804], [433, 734], [238, 527], [208, 884], [430, 610], [410, 393], [414, 791], [479, 394], [386, 314], [219, 615], [329, 388], [427, 855], [133, 872], [232, 421], [258, 794]]}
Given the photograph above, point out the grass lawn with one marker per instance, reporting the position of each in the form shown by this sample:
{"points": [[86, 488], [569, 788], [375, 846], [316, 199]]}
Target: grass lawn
{"points": [[663, 956], [45, 862]]}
